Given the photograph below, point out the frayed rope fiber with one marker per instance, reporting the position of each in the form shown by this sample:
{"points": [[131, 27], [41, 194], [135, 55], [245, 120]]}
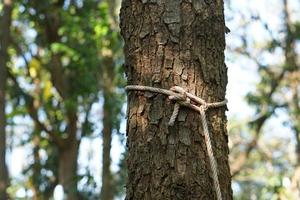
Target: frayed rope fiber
{"points": [[183, 98]]}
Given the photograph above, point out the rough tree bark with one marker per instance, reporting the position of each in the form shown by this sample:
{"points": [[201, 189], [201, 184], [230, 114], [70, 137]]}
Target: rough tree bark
{"points": [[4, 42], [167, 43]]}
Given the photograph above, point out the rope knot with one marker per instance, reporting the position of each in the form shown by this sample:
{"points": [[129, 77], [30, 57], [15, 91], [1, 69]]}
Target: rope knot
{"points": [[204, 107], [181, 95]]}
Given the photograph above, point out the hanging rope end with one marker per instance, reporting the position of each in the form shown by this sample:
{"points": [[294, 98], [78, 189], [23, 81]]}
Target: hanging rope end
{"points": [[171, 123], [174, 114]]}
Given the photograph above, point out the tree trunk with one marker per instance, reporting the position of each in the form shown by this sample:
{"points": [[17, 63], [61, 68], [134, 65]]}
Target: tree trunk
{"points": [[4, 42], [68, 170], [106, 193], [36, 168], [108, 117], [108, 189], [68, 155], [68, 150], [167, 43]]}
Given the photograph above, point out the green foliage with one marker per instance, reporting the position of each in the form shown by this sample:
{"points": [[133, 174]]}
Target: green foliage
{"points": [[59, 52]]}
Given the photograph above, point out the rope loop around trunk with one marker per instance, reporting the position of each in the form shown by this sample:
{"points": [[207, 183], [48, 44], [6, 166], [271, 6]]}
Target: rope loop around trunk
{"points": [[184, 98]]}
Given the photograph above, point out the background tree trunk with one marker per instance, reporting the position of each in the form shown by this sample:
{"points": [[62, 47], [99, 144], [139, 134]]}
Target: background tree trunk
{"points": [[69, 146], [68, 156], [108, 76], [108, 189], [167, 43], [36, 166], [4, 42], [68, 170]]}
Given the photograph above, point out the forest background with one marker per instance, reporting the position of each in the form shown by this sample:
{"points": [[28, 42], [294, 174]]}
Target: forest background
{"points": [[65, 98]]}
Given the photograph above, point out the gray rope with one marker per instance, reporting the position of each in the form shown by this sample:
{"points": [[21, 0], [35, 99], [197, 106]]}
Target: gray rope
{"points": [[183, 98]]}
